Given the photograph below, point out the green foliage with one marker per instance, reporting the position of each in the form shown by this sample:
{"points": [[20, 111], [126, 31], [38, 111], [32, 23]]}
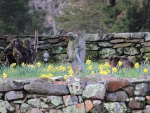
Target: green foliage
{"points": [[82, 16], [126, 16], [100, 16], [16, 19], [13, 15], [35, 21]]}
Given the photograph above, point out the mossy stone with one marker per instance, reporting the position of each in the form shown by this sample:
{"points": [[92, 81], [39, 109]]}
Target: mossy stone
{"points": [[106, 52], [145, 49], [131, 51]]}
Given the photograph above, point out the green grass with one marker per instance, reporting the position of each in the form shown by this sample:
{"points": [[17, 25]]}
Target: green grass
{"points": [[36, 72]]}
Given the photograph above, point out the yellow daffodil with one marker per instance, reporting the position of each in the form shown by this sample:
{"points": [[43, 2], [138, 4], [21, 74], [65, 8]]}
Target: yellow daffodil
{"points": [[145, 70], [107, 65], [136, 65], [44, 76], [22, 64], [70, 72], [69, 67], [114, 69], [90, 67], [13, 65], [49, 67], [88, 61], [50, 75], [71, 75], [65, 76], [38, 64], [120, 63], [62, 68], [146, 59], [53, 70], [108, 71], [101, 67], [4, 75], [56, 68], [31, 66], [103, 72], [92, 72]]}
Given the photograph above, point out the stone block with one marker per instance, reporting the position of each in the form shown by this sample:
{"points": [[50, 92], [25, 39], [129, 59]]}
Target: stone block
{"points": [[47, 88], [67, 100], [113, 85], [75, 88], [137, 103], [119, 96], [94, 91]]}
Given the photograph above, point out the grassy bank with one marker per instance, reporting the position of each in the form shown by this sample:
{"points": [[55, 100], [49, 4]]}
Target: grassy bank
{"points": [[48, 70]]}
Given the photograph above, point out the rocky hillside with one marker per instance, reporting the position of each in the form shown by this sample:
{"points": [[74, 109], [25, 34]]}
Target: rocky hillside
{"points": [[56, 7], [51, 7]]}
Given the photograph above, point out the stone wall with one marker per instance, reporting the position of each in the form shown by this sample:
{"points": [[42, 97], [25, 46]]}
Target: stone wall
{"points": [[99, 47], [91, 94]]}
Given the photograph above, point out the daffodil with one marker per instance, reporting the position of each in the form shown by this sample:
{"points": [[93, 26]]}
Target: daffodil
{"points": [[70, 75], [70, 72], [103, 72], [62, 68], [136, 65], [69, 67], [120, 63], [88, 61], [4, 75], [108, 71], [56, 68], [107, 65], [53, 70], [145, 70], [92, 72], [22, 64], [31, 66], [65, 76], [101, 67], [114, 69], [146, 59], [90, 67], [49, 67], [50, 75], [13, 65], [38, 64], [44, 76]]}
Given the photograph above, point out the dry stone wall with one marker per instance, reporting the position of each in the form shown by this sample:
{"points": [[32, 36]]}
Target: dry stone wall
{"points": [[91, 94], [99, 47]]}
